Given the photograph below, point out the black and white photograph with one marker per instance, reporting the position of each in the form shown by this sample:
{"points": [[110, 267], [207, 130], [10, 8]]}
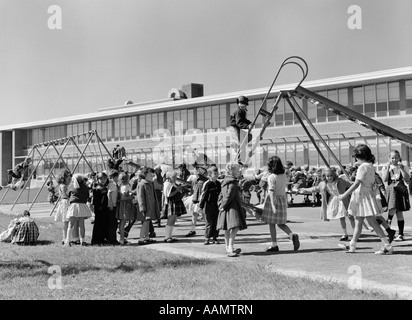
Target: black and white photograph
{"points": [[203, 158]]}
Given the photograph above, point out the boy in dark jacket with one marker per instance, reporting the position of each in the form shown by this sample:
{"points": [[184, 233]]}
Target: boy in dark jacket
{"points": [[208, 203]]}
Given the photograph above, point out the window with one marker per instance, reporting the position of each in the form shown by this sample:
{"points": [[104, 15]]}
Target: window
{"points": [[222, 116], [332, 95], [215, 117], [321, 112], [358, 99], [148, 123], [134, 127], [370, 101], [122, 128], [142, 126], [279, 116], [116, 129], [408, 89], [394, 99], [190, 119], [381, 100], [343, 99], [200, 118], [208, 117], [128, 127]]}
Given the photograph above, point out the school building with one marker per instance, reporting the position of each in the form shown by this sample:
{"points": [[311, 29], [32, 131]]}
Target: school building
{"points": [[187, 122]]}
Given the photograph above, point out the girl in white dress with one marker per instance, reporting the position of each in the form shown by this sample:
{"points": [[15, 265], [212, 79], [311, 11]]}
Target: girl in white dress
{"points": [[363, 203], [332, 208]]}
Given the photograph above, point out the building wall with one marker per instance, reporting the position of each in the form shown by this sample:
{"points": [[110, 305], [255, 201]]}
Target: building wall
{"points": [[6, 155]]}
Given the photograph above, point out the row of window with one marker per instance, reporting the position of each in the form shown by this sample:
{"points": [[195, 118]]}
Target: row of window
{"points": [[299, 153], [375, 100]]}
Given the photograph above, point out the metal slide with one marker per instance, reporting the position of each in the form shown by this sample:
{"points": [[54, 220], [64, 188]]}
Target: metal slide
{"points": [[352, 115]]}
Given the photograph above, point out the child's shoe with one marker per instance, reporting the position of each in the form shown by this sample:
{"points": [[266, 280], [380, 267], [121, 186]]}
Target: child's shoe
{"points": [[400, 238], [385, 250], [344, 238]]}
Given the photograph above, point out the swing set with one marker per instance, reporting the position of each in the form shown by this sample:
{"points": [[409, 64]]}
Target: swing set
{"points": [[53, 147]]}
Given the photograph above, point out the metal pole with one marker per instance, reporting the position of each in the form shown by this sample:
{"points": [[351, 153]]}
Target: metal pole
{"points": [[307, 132], [82, 154], [41, 158], [323, 141], [51, 172]]}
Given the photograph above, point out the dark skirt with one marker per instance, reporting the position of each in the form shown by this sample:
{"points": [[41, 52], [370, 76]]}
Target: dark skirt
{"points": [[126, 210], [231, 219]]}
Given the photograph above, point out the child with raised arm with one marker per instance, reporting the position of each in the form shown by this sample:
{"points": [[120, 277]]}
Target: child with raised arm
{"points": [[172, 194], [331, 207], [363, 203]]}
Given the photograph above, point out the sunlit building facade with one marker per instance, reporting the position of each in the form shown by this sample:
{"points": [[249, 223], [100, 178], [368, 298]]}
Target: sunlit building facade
{"points": [[187, 122]]}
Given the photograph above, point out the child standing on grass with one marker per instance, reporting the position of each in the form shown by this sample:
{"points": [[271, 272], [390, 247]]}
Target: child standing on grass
{"points": [[78, 210], [113, 195], [363, 203], [173, 198], [231, 218], [275, 205], [197, 189], [99, 202], [208, 203], [148, 204], [393, 172], [125, 210], [61, 212], [331, 207]]}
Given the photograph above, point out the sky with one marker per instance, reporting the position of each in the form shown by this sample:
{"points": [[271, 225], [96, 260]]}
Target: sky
{"points": [[111, 51]]}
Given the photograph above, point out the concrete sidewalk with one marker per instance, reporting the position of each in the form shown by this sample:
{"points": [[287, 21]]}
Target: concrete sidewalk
{"points": [[319, 257]]}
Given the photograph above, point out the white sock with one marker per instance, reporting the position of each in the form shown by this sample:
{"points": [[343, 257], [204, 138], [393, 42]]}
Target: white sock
{"points": [[229, 249], [385, 241], [171, 231], [274, 243], [291, 236], [167, 232]]}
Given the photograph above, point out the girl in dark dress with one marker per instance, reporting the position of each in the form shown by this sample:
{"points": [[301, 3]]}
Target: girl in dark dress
{"points": [[100, 233]]}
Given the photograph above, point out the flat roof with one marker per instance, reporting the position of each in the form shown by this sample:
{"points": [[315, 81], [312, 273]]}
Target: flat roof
{"points": [[166, 104]]}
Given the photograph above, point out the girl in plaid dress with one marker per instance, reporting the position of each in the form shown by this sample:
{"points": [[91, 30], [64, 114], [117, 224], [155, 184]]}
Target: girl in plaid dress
{"points": [[61, 213], [275, 205], [173, 198], [26, 231], [231, 217]]}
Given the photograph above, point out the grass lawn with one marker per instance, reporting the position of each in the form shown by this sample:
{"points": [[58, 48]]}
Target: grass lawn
{"points": [[132, 272]]}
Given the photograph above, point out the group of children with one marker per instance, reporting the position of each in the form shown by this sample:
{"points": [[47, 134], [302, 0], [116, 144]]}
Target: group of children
{"points": [[117, 200]]}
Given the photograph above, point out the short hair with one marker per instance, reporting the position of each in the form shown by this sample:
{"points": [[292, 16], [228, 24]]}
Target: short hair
{"points": [[363, 152], [275, 165], [212, 169], [231, 167], [145, 170]]}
